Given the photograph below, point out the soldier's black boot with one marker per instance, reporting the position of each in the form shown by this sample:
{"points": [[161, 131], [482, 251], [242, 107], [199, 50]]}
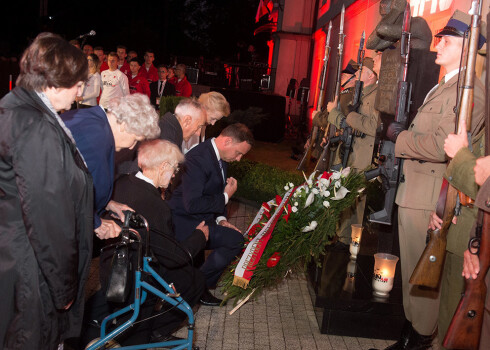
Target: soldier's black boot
{"points": [[418, 341], [405, 336]]}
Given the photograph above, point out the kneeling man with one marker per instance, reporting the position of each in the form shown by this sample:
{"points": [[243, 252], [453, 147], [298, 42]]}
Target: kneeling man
{"points": [[202, 196]]}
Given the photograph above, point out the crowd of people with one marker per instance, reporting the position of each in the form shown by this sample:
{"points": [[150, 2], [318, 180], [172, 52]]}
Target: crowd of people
{"points": [[63, 188], [120, 73]]}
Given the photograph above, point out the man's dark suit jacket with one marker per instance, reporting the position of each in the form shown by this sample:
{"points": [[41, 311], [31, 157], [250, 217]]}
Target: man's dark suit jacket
{"points": [[168, 90], [200, 195], [171, 129], [146, 200]]}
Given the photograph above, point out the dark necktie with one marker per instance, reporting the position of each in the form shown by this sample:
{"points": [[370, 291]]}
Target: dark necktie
{"points": [[220, 162]]}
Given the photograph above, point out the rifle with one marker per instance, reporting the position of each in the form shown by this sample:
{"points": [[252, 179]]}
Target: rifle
{"points": [[429, 267], [347, 135], [305, 159], [465, 328], [389, 168], [330, 131]]}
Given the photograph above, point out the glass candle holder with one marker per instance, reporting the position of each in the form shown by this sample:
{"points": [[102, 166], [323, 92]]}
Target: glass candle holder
{"points": [[350, 279], [356, 234], [384, 273]]}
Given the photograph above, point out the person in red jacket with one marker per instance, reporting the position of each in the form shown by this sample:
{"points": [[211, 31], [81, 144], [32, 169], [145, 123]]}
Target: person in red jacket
{"points": [[148, 70], [182, 86], [137, 82]]}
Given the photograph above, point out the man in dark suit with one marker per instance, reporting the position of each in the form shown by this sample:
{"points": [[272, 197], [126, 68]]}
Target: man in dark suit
{"points": [[202, 196], [161, 87]]}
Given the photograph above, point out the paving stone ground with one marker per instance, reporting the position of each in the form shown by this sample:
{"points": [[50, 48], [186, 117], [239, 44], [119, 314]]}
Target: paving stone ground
{"points": [[281, 318]]}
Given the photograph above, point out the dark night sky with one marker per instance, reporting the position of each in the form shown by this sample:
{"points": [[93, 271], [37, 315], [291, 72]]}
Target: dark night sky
{"points": [[170, 27]]}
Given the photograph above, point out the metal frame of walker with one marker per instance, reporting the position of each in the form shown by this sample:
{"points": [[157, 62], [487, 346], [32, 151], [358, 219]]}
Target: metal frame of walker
{"points": [[140, 293]]}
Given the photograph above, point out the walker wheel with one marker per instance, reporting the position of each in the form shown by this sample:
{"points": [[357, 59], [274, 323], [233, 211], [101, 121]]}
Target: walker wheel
{"points": [[111, 344]]}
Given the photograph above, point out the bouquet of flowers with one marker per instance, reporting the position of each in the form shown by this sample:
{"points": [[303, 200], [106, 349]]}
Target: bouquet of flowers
{"points": [[291, 230]]}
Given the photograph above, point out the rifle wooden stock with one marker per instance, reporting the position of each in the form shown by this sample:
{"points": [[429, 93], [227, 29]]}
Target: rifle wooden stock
{"points": [[305, 159], [428, 271], [465, 329], [325, 159]]}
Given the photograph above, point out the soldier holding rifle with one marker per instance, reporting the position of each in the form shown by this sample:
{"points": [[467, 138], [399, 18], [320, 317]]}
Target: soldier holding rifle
{"points": [[320, 119], [364, 121], [422, 147]]}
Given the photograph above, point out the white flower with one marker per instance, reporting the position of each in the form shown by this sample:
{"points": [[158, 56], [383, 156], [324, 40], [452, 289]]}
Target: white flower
{"points": [[295, 204], [326, 204], [312, 176], [309, 182], [315, 191], [286, 188], [326, 193], [295, 194], [337, 184], [310, 227], [307, 190], [291, 185], [345, 172], [325, 182], [310, 199], [335, 175], [294, 209], [341, 193]]}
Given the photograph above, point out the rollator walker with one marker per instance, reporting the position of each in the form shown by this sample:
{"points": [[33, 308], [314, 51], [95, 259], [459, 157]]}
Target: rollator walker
{"points": [[141, 289]]}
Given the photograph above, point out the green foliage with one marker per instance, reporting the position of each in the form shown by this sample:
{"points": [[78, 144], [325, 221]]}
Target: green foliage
{"points": [[168, 104], [307, 225], [259, 182]]}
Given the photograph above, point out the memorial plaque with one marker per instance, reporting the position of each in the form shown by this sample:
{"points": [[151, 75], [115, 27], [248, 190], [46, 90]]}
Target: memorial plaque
{"points": [[423, 73]]}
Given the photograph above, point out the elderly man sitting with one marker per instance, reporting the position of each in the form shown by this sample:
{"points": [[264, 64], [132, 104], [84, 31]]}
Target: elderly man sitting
{"points": [[158, 161]]}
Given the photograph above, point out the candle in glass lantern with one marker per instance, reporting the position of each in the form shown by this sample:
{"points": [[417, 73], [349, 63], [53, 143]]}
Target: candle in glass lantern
{"points": [[355, 240], [384, 273]]}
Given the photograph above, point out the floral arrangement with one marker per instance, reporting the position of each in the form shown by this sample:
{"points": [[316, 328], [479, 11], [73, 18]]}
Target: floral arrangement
{"points": [[291, 230]]}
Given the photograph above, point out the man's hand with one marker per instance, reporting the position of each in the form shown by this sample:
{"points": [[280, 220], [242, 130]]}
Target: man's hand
{"points": [[117, 208], [231, 186], [204, 228], [434, 221], [454, 142], [331, 105], [394, 130], [307, 144], [471, 265], [314, 114], [482, 170], [225, 223], [108, 229]]}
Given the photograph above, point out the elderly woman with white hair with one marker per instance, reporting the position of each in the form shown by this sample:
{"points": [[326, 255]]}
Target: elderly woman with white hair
{"points": [[159, 160], [99, 133]]}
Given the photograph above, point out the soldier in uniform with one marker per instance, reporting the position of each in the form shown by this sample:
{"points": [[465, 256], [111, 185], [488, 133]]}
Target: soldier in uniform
{"points": [[320, 118], [364, 122], [422, 147]]}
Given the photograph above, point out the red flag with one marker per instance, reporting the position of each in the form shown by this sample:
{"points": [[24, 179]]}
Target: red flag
{"points": [[265, 8]]}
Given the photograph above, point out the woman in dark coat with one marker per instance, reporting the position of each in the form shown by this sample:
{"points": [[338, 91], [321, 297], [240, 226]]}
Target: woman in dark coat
{"points": [[46, 204]]}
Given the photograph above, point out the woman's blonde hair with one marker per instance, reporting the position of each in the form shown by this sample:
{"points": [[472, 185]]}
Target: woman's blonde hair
{"points": [[215, 103], [137, 113], [153, 153]]}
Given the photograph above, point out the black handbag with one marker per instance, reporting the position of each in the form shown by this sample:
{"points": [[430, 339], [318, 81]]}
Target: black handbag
{"points": [[119, 285]]}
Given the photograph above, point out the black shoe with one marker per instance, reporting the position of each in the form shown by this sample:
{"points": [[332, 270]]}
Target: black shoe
{"points": [[209, 299], [158, 338], [404, 337]]}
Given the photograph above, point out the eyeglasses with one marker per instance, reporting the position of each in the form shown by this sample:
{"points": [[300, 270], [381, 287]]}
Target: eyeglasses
{"points": [[176, 167]]}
